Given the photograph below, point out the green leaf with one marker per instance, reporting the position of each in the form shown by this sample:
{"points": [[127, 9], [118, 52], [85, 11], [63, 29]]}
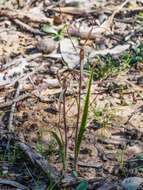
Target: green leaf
{"points": [[61, 147], [75, 174], [82, 186], [140, 169], [84, 116], [49, 30], [140, 157], [138, 21], [140, 13], [58, 36], [63, 28]]}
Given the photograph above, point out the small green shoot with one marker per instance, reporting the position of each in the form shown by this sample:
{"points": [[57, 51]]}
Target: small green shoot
{"points": [[140, 157], [49, 30], [12, 153], [57, 35], [34, 180], [122, 163], [51, 184], [140, 169], [75, 175], [19, 3], [109, 66], [39, 143], [61, 147], [140, 13], [103, 115]]}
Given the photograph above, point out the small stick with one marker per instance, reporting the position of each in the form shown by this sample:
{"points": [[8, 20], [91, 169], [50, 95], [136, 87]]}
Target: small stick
{"points": [[28, 28], [10, 128], [13, 183]]}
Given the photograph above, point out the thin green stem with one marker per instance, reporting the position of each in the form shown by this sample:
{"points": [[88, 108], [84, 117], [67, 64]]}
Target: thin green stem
{"points": [[78, 109]]}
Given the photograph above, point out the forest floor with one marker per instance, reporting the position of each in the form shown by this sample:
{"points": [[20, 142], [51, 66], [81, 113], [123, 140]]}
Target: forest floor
{"points": [[40, 50]]}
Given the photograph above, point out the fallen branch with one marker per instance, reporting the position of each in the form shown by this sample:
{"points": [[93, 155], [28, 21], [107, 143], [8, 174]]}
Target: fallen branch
{"points": [[131, 34], [37, 159], [73, 182], [9, 103], [13, 108], [13, 183], [25, 16], [117, 50], [89, 165], [136, 88], [28, 28]]}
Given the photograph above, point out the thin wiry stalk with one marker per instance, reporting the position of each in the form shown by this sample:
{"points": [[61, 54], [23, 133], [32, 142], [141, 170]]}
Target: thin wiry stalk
{"points": [[59, 121], [78, 109], [73, 131], [65, 123], [61, 148]]}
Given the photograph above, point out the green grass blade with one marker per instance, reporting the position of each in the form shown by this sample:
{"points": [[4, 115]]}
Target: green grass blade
{"points": [[84, 116], [61, 147]]}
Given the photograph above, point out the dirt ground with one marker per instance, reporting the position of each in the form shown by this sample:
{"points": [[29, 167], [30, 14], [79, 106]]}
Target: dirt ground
{"points": [[30, 92]]}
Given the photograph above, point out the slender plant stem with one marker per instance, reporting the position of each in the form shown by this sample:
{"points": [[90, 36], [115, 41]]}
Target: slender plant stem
{"points": [[59, 120], [78, 109], [65, 123], [59, 123]]}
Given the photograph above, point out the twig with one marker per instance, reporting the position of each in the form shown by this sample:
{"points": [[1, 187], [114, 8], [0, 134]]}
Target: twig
{"points": [[24, 16], [135, 88], [24, 96], [13, 183], [10, 127], [21, 59], [54, 4], [90, 165], [37, 159], [9, 103], [28, 28], [74, 182], [131, 34], [27, 75], [62, 100], [13, 108]]}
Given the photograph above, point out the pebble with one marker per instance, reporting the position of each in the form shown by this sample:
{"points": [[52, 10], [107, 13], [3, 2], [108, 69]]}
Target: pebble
{"points": [[131, 183], [5, 170], [54, 69], [46, 45], [102, 18], [140, 80]]}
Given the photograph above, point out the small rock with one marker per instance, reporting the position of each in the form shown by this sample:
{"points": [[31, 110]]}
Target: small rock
{"points": [[47, 3], [5, 170], [52, 83], [54, 69], [46, 45], [135, 149], [72, 3], [131, 183], [140, 81], [102, 18], [85, 151]]}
